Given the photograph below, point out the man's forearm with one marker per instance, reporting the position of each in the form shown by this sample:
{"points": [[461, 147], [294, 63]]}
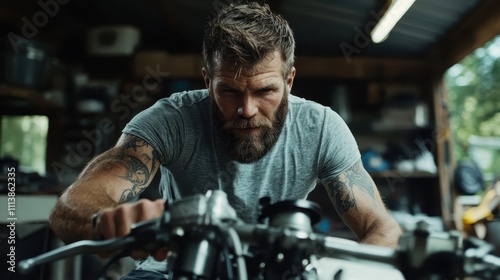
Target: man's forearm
{"points": [[384, 234], [111, 178], [71, 219], [70, 225]]}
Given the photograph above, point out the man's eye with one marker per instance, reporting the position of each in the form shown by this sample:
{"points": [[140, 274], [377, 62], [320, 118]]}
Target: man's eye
{"points": [[265, 91]]}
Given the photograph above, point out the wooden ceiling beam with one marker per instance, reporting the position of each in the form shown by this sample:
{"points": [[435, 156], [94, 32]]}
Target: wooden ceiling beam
{"points": [[189, 66], [480, 26], [362, 68]]}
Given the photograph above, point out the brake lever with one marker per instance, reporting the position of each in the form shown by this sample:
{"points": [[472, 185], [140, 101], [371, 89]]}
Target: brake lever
{"points": [[145, 235], [79, 247]]}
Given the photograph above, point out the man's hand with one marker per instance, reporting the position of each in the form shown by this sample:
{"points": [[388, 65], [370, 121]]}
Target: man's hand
{"points": [[116, 222]]}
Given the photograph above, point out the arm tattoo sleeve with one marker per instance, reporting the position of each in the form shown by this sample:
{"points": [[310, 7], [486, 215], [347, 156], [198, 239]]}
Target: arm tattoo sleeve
{"points": [[137, 171], [341, 189], [357, 176], [341, 195]]}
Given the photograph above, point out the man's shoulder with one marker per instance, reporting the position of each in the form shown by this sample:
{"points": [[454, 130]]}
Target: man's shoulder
{"points": [[299, 107], [301, 102], [305, 113], [189, 98]]}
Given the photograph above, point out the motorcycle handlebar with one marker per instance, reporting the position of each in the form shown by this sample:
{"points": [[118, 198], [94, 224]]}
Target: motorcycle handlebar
{"points": [[77, 248], [257, 235], [326, 246], [288, 229]]}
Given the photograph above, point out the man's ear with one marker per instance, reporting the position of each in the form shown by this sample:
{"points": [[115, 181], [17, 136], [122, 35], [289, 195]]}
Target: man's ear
{"points": [[289, 79], [206, 79]]}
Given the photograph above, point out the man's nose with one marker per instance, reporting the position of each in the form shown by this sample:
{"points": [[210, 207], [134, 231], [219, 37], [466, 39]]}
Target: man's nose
{"points": [[248, 107]]}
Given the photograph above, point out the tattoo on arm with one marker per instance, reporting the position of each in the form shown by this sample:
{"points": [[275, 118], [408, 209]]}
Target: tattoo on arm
{"points": [[357, 176], [341, 189], [341, 195], [137, 171], [134, 143]]}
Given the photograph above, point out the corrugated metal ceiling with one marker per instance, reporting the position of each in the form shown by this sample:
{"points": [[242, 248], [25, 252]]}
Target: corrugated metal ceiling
{"points": [[320, 26]]}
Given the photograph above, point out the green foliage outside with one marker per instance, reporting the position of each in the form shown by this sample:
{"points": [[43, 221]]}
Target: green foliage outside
{"points": [[474, 100], [24, 138]]}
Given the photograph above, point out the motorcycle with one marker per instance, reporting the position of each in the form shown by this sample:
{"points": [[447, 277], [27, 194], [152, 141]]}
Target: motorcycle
{"points": [[207, 241]]}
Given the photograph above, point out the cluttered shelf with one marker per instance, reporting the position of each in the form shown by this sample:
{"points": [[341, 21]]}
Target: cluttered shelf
{"points": [[365, 128], [16, 100]]}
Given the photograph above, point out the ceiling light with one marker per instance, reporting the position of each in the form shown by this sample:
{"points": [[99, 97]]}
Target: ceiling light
{"points": [[393, 14]]}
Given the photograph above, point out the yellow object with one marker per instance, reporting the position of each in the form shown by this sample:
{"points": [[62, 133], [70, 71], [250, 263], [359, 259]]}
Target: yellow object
{"points": [[484, 211]]}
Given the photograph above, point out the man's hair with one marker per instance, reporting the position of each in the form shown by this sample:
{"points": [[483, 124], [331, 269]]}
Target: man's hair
{"points": [[246, 34]]}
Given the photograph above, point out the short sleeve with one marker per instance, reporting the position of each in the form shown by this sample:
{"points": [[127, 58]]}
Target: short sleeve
{"points": [[162, 126], [338, 150]]}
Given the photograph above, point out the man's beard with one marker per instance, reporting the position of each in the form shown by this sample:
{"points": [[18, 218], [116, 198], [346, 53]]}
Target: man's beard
{"points": [[248, 148]]}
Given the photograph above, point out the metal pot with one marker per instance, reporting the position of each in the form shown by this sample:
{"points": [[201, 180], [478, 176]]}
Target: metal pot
{"points": [[28, 67]]}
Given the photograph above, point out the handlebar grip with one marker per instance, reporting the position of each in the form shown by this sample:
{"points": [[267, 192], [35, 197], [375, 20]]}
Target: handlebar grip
{"points": [[80, 247]]}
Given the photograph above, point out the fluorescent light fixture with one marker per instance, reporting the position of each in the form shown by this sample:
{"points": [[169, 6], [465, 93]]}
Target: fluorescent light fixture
{"points": [[393, 14]]}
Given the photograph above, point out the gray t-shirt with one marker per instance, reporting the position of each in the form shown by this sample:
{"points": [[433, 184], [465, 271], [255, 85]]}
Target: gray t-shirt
{"points": [[315, 144]]}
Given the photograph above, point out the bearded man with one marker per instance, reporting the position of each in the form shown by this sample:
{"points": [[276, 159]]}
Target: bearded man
{"points": [[245, 134]]}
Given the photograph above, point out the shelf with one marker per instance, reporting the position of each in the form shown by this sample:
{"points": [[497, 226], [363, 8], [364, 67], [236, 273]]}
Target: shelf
{"points": [[366, 129], [15, 99], [395, 174]]}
